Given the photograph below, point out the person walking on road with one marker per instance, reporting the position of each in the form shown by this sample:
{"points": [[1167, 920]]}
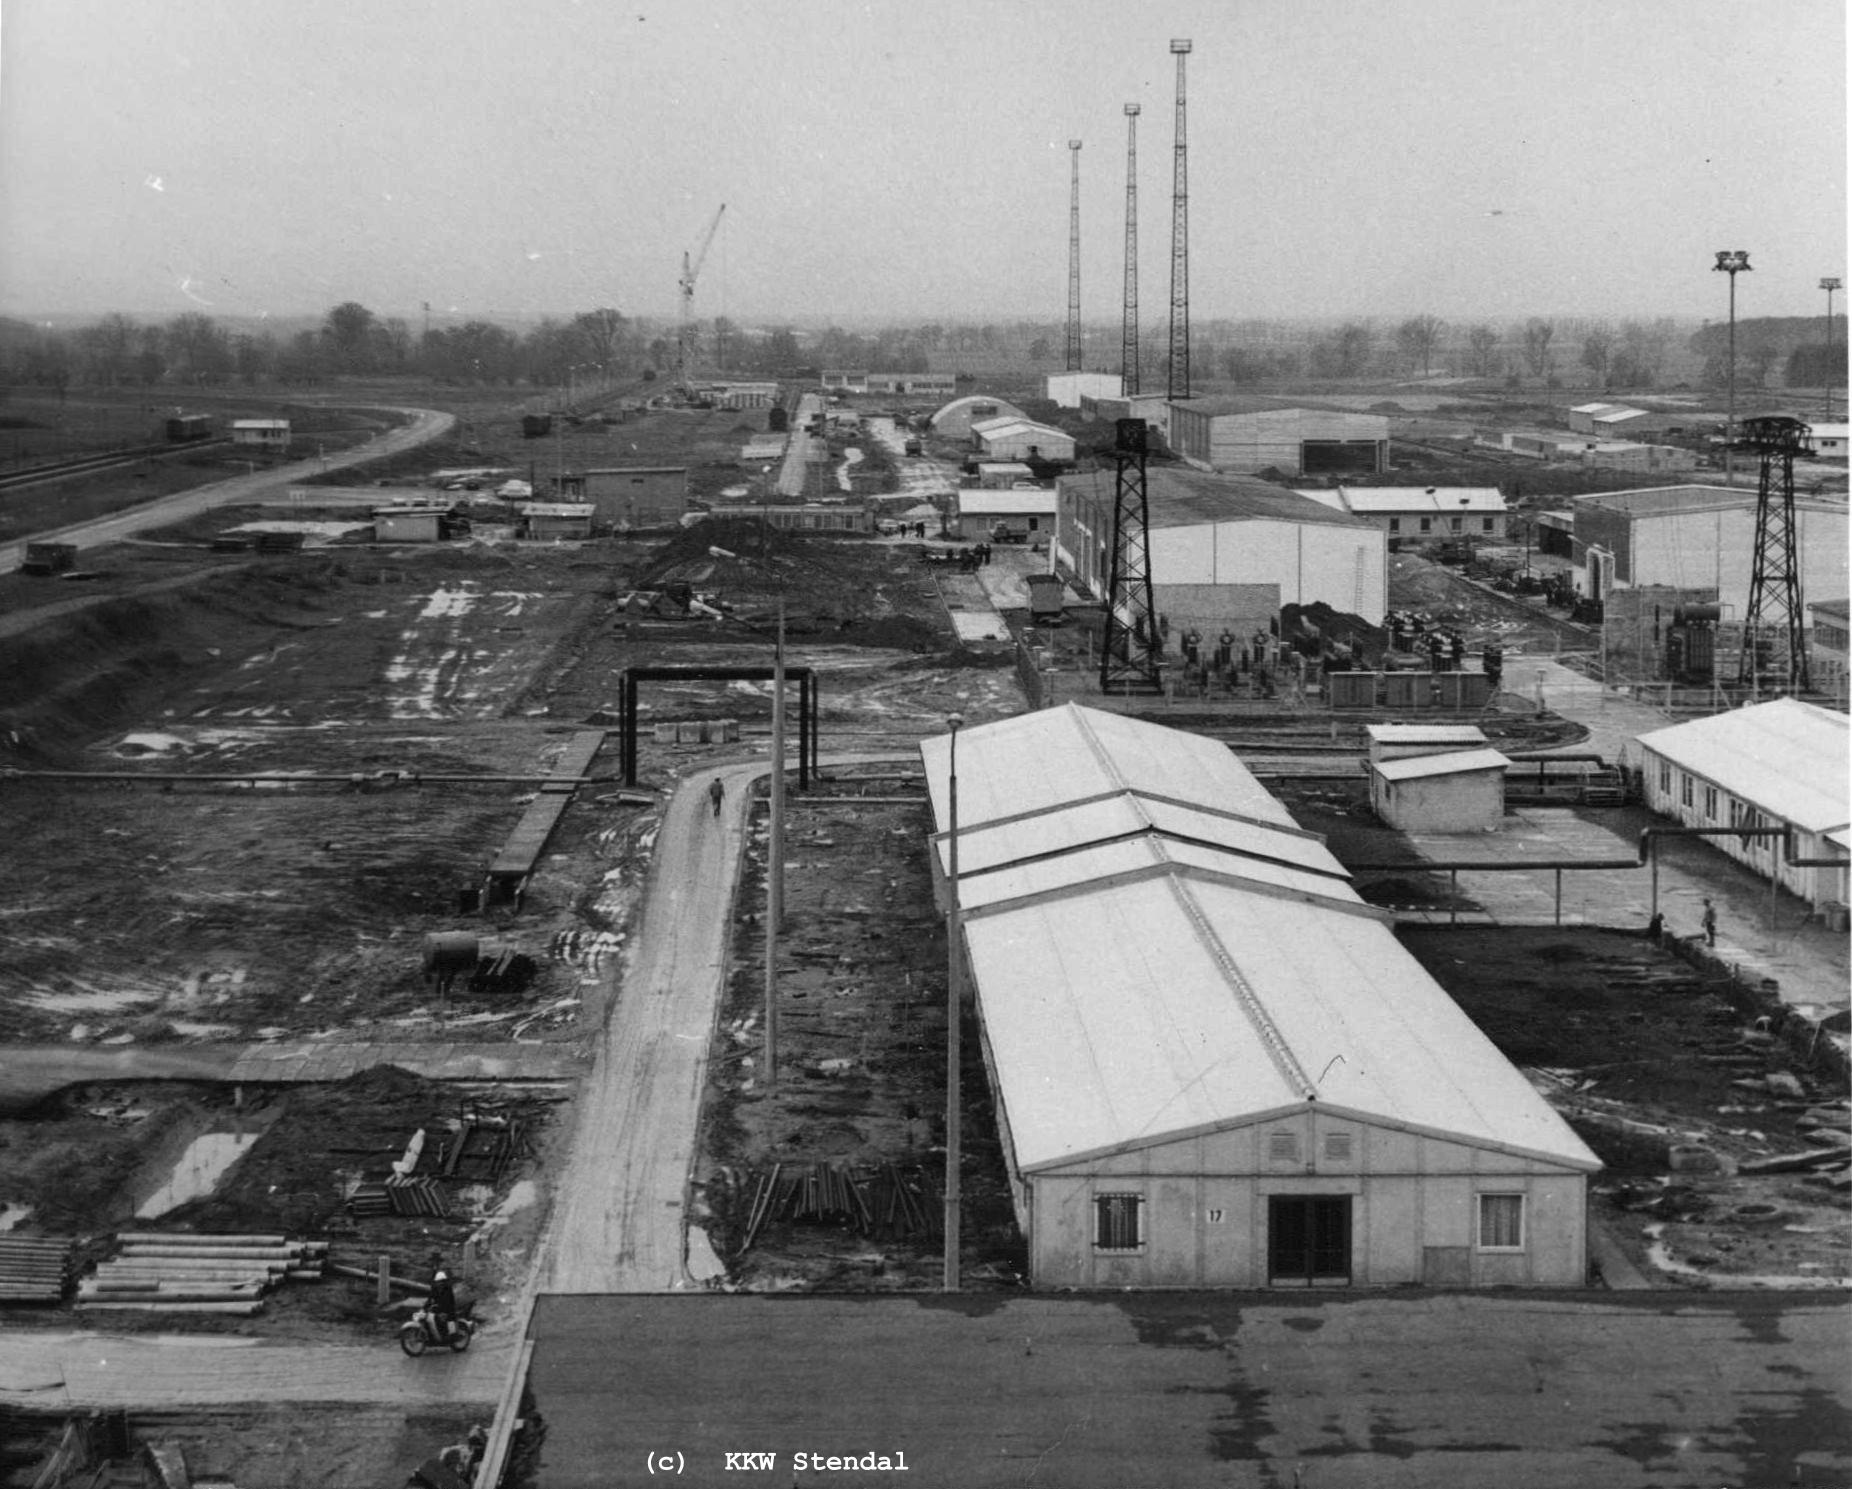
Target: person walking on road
{"points": [[1710, 923], [716, 793]]}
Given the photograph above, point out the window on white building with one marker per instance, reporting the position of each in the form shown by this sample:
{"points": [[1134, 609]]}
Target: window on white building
{"points": [[1684, 789], [1710, 803], [1485, 525], [1501, 1222], [1282, 1147], [1665, 779], [1116, 1220]]}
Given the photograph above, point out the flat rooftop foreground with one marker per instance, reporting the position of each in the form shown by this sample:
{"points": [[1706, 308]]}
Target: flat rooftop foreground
{"points": [[1186, 1389]]}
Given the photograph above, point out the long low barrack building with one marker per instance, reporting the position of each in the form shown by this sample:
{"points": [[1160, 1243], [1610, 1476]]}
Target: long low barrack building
{"points": [[1213, 1063]]}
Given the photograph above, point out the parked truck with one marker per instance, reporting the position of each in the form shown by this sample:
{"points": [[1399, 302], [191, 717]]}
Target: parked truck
{"points": [[49, 558]]}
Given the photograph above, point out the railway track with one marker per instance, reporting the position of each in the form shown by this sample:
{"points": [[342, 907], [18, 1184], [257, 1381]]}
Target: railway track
{"points": [[84, 465]]}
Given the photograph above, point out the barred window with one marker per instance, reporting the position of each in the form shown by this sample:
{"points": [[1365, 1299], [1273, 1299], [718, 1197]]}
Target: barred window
{"points": [[1665, 779], [1116, 1222], [1501, 1222]]}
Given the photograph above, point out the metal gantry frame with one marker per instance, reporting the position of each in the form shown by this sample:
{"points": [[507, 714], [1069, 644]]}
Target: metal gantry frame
{"points": [[1774, 618], [1131, 648], [804, 677]]}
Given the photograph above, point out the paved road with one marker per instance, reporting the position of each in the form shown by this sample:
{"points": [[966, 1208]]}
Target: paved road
{"points": [[426, 425], [1365, 1391]]}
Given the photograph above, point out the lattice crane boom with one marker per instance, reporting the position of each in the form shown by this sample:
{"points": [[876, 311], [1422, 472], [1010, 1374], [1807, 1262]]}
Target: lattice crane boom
{"points": [[691, 271]]}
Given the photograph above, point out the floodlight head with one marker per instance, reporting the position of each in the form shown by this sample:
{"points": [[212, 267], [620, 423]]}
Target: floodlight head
{"points": [[1830, 284], [1732, 260], [1073, 144], [956, 721], [1132, 111], [1180, 45]]}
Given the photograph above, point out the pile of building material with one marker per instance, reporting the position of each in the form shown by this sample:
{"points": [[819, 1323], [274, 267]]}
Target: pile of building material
{"points": [[483, 1145], [34, 1269], [163, 1272], [875, 1200]]}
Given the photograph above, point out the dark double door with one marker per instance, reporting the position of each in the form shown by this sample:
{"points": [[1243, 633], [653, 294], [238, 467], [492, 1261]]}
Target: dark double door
{"points": [[1308, 1240]]}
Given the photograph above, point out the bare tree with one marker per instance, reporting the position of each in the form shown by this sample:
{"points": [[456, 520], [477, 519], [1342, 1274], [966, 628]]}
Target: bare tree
{"points": [[1417, 337], [1537, 357], [1482, 351], [1598, 350]]}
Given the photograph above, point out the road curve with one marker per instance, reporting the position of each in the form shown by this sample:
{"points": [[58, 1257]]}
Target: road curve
{"points": [[426, 425]]}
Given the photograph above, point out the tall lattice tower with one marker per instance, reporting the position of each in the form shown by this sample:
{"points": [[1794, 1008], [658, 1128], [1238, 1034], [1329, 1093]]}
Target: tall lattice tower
{"points": [[1073, 259], [1179, 381], [1774, 635], [1132, 646], [1128, 332]]}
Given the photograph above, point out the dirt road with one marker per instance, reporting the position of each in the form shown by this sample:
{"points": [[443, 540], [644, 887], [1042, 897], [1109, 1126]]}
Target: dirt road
{"points": [[426, 425]]}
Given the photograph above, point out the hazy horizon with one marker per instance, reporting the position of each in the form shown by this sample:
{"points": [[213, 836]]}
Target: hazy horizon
{"points": [[898, 164]]}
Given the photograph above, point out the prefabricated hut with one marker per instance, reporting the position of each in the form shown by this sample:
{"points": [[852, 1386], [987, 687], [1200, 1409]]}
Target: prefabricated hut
{"points": [[1213, 1065], [1777, 764], [1448, 791]]}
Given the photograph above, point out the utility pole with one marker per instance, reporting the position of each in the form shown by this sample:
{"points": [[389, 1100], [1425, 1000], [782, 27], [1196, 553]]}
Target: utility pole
{"points": [[1179, 377], [1128, 330], [1829, 285], [1073, 260]]}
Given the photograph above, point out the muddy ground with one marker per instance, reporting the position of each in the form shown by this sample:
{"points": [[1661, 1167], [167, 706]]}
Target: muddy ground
{"points": [[1643, 1056], [861, 1052]]}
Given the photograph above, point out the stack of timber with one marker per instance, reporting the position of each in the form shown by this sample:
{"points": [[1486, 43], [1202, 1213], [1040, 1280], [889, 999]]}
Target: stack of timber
{"points": [[876, 1200], [483, 1144], [34, 1269], [163, 1272]]}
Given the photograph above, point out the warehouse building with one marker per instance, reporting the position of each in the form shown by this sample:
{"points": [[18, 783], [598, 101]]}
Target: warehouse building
{"points": [[1208, 529], [1249, 435], [1778, 764], [955, 419], [1070, 389], [1021, 439], [1699, 537], [1826, 657], [1213, 1064], [1421, 514]]}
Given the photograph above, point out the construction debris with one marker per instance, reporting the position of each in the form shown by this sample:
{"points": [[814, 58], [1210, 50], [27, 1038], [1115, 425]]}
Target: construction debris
{"points": [[873, 1199]]}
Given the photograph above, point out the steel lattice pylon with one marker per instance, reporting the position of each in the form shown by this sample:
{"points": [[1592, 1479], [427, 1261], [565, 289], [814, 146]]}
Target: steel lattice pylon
{"points": [[1774, 634], [1131, 647]]}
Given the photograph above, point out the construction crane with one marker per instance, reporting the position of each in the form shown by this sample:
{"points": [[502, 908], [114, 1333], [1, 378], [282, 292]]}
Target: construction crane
{"points": [[691, 270]]}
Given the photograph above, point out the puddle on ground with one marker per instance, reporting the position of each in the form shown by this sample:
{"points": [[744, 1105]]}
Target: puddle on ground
{"points": [[11, 1215], [198, 1169]]}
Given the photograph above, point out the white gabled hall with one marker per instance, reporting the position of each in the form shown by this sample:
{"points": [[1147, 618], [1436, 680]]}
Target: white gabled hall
{"points": [[1213, 1064]]}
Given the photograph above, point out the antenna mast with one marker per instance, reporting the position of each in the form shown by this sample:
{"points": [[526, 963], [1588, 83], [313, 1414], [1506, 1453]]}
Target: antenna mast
{"points": [[1179, 381], [1128, 334], [1073, 261]]}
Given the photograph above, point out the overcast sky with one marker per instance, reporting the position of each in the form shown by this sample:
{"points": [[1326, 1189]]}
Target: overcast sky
{"points": [[908, 158]]}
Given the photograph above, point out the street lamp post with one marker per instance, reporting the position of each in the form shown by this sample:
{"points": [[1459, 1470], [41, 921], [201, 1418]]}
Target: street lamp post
{"points": [[1829, 285], [954, 1020], [1731, 261]]}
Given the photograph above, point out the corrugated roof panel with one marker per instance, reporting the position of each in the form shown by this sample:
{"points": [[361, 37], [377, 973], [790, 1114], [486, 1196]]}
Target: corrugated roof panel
{"points": [[1001, 883], [1420, 734], [1063, 829], [1787, 757], [1115, 1022], [1057, 756]]}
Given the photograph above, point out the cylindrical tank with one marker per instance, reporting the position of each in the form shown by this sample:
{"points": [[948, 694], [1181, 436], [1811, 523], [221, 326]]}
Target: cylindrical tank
{"points": [[450, 952]]}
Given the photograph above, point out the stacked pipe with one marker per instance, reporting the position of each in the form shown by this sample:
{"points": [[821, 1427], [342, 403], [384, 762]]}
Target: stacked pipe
{"points": [[34, 1269], [158, 1271], [876, 1200]]}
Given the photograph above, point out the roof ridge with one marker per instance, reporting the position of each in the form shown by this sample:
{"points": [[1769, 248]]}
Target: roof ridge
{"points": [[1272, 1040]]}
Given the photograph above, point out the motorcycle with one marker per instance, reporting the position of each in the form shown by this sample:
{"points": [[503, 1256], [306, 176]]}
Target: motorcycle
{"points": [[421, 1332]]}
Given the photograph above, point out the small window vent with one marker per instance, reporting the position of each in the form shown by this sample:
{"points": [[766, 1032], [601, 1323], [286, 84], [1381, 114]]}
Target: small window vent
{"points": [[1283, 1147], [1338, 1147]]}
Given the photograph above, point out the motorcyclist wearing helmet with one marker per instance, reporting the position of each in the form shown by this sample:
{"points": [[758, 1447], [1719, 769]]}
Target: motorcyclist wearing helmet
{"points": [[442, 1302]]}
